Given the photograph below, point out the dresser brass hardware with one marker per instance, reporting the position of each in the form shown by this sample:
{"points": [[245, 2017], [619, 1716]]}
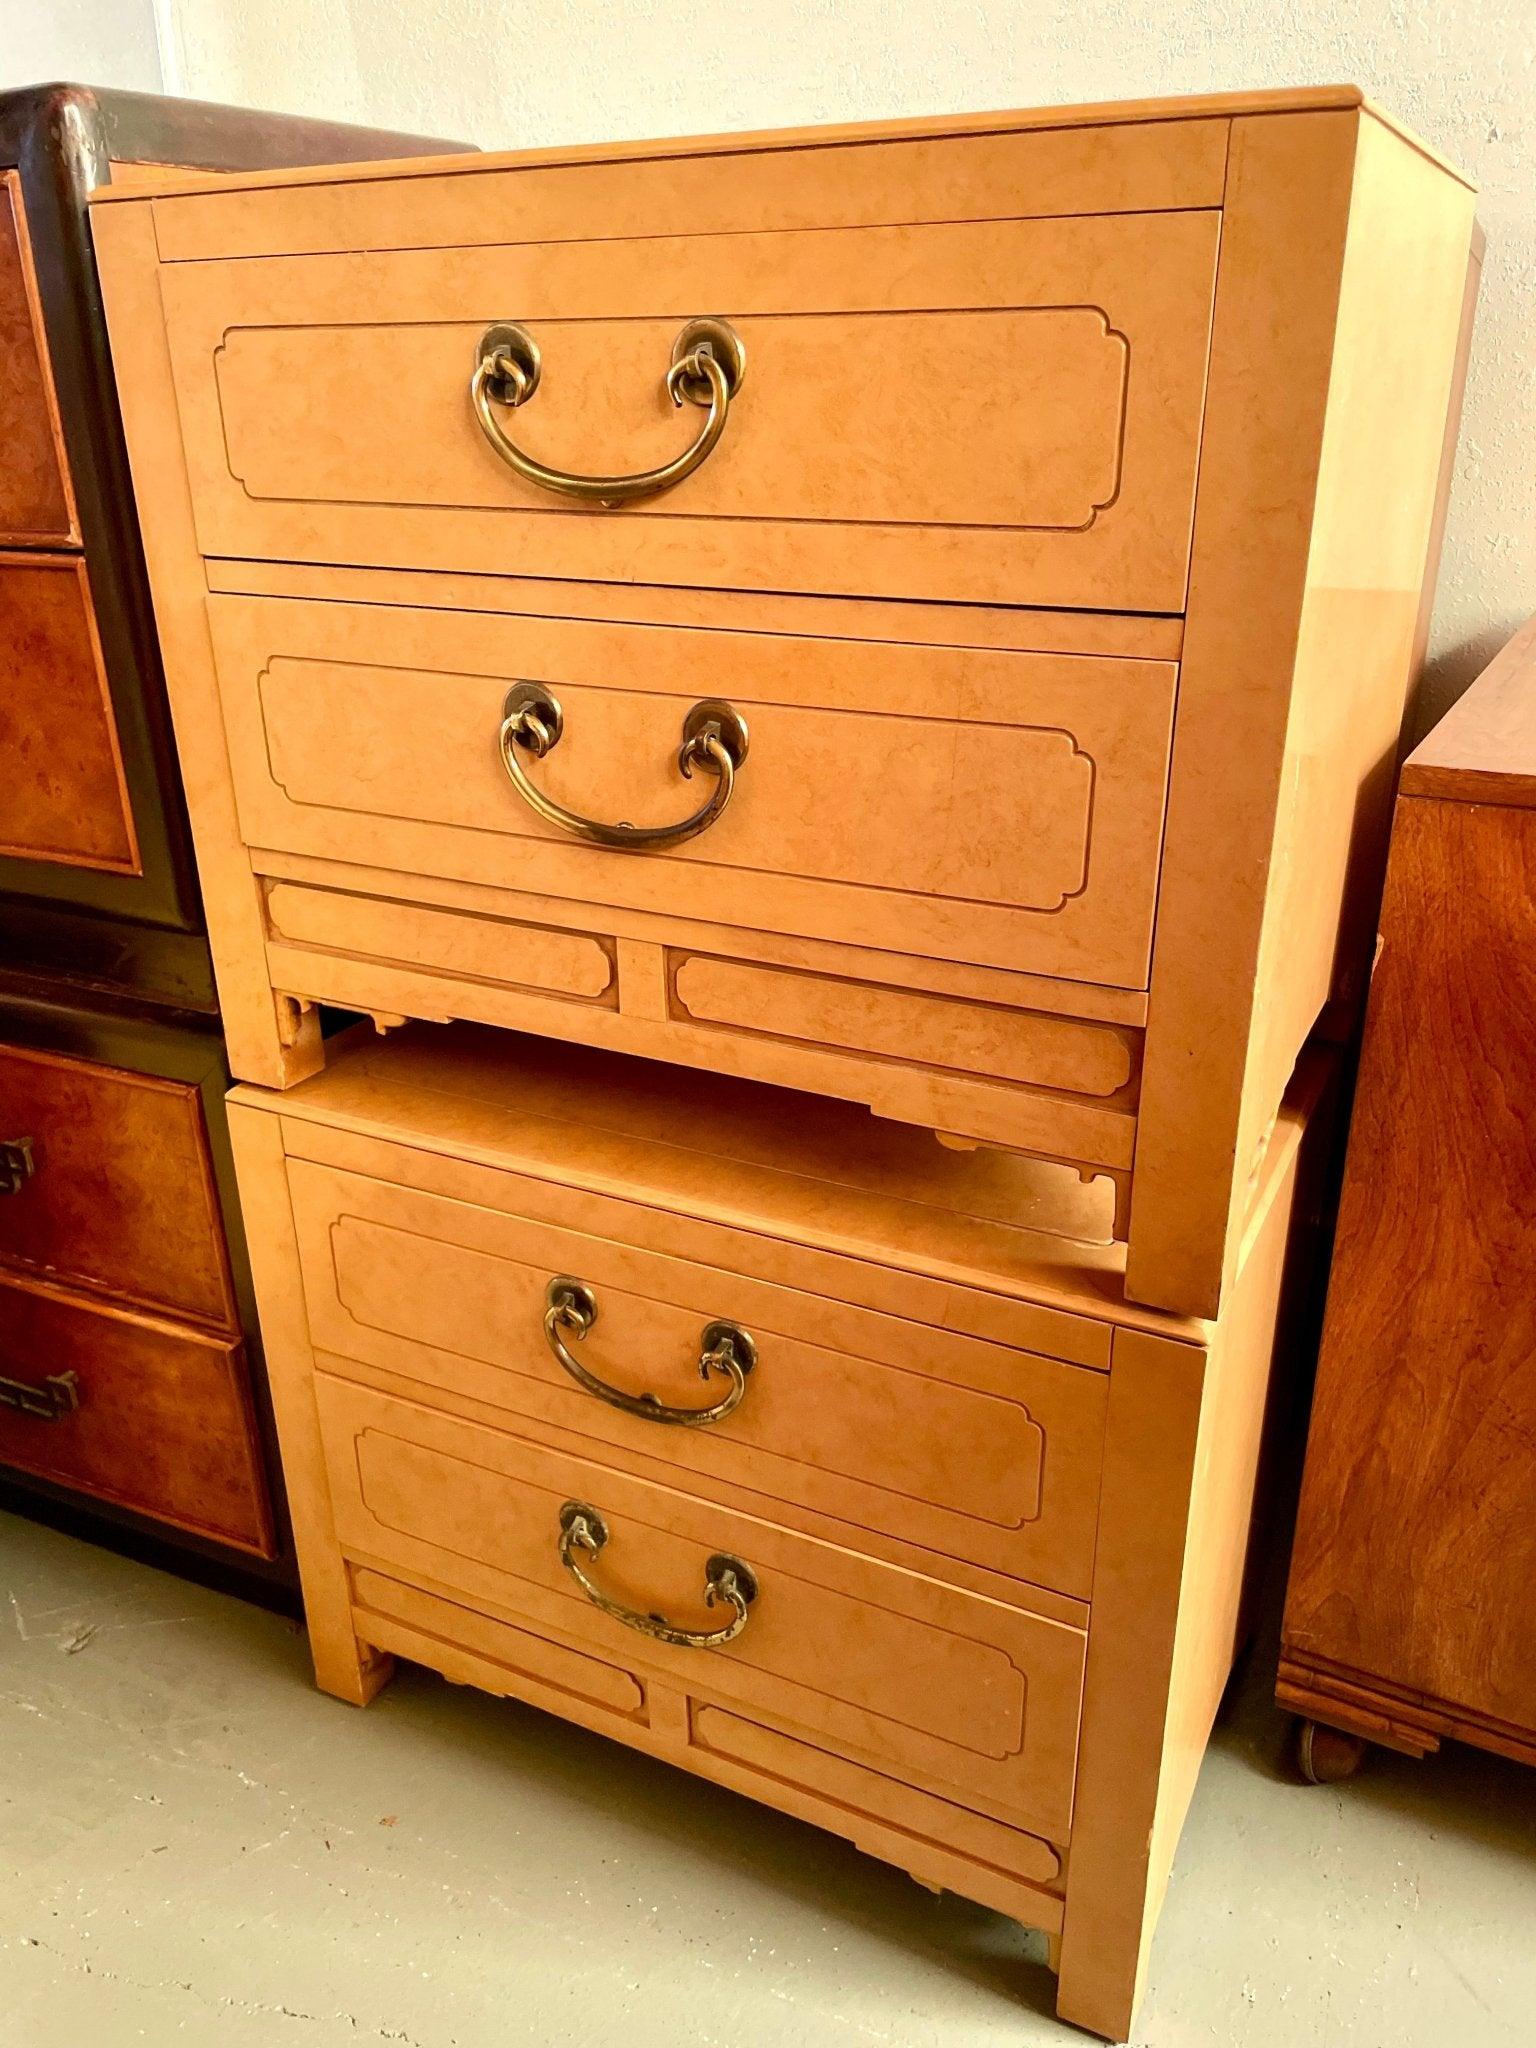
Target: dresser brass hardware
{"points": [[16, 1164], [48, 1400], [724, 1348], [709, 361], [725, 1578], [713, 732]]}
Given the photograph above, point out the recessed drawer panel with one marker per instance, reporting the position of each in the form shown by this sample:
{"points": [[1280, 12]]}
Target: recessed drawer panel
{"points": [[63, 796], [992, 807], [118, 1193], [147, 1414], [969, 1450], [956, 1693], [997, 411], [34, 490]]}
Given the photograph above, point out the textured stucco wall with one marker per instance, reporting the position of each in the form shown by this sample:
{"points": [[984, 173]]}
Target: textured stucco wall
{"points": [[510, 73], [94, 42]]}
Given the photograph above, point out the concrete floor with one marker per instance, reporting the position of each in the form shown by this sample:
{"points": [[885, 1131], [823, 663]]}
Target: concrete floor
{"points": [[195, 1846]]}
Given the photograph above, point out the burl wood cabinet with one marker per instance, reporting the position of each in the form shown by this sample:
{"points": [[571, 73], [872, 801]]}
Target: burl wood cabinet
{"points": [[1409, 1615], [909, 620], [129, 1375]]}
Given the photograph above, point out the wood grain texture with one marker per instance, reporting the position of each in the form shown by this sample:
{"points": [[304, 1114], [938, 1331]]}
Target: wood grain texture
{"points": [[1305, 601], [856, 1434], [1003, 809], [35, 500], [1415, 1550], [63, 795], [1075, 346], [164, 1422], [1484, 749], [121, 1199]]}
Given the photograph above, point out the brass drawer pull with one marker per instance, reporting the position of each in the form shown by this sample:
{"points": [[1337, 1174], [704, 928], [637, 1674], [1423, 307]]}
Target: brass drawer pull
{"points": [[724, 1348], [713, 732], [725, 1578], [49, 1400], [16, 1164], [707, 368]]}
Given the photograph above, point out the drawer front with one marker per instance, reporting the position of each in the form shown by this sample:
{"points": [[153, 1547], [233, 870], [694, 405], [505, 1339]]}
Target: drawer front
{"points": [[965, 1449], [120, 1197], [953, 1692], [984, 410], [1016, 1872], [145, 1414], [998, 808], [63, 796], [35, 503]]}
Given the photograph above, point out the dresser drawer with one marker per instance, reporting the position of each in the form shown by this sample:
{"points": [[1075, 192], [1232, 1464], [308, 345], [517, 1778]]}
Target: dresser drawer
{"points": [[954, 1692], [860, 1425], [972, 804], [998, 410], [146, 1414], [120, 1197], [35, 501], [63, 796]]}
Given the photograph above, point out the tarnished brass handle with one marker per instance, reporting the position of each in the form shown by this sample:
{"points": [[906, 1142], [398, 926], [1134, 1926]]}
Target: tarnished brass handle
{"points": [[725, 1578], [713, 732], [48, 1400], [724, 1348], [17, 1164], [708, 365]]}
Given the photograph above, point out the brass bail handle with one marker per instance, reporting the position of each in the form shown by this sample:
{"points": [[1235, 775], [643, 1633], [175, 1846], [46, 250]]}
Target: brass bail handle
{"points": [[714, 734], [709, 362], [583, 1532], [725, 1349]]}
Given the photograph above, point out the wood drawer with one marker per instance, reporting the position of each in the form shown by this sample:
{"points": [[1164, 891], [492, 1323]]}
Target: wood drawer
{"points": [[854, 1424], [63, 795], [121, 1196], [956, 1693], [35, 499], [976, 805], [163, 1423], [945, 1842], [993, 410]]}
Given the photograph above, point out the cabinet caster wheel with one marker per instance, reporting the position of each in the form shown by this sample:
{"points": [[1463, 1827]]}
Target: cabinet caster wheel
{"points": [[1327, 1756]]}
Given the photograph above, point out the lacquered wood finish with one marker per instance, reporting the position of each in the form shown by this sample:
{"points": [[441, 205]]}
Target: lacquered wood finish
{"points": [[907, 1677], [63, 797], [163, 1425], [35, 504], [1287, 278], [121, 1198], [1408, 1613]]}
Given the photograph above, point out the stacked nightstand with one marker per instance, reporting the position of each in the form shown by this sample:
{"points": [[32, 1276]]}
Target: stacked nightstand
{"points": [[911, 619]]}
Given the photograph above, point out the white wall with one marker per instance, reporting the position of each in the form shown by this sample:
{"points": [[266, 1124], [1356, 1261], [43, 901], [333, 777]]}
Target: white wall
{"points": [[511, 73], [91, 42]]}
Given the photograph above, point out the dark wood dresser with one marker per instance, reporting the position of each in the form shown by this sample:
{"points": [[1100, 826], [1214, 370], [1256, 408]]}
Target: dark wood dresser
{"points": [[132, 1401], [1409, 1611]]}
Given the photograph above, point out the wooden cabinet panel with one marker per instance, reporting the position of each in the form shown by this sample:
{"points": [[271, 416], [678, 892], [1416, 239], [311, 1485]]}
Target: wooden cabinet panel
{"points": [[979, 805], [162, 1422], [965, 1449], [63, 796], [955, 1692], [1409, 1613], [35, 500], [121, 1197], [880, 361]]}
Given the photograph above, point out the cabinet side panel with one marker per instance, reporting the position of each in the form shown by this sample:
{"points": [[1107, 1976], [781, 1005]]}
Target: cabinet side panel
{"points": [[126, 258], [1338, 315], [1415, 1549]]}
